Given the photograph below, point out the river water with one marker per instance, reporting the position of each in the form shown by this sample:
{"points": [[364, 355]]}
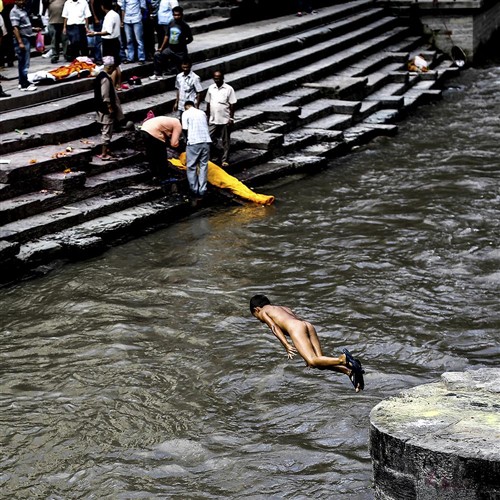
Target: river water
{"points": [[141, 374]]}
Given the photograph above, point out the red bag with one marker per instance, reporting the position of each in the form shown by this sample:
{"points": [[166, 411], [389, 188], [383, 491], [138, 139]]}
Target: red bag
{"points": [[40, 42]]}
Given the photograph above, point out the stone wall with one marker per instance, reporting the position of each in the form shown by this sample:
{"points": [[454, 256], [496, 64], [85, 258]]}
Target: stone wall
{"points": [[467, 24], [439, 441]]}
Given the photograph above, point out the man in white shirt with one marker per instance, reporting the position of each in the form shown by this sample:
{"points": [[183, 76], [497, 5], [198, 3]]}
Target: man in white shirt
{"points": [[220, 100], [76, 15], [110, 36], [197, 149]]}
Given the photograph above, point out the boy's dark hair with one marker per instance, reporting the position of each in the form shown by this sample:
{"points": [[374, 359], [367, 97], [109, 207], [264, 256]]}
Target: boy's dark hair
{"points": [[258, 301], [189, 103], [178, 9]]}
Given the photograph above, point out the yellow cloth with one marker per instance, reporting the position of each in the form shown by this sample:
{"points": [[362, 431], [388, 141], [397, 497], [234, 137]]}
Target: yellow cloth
{"points": [[221, 179]]}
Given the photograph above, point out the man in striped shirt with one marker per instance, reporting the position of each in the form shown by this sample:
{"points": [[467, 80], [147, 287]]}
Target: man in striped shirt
{"points": [[21, 26], [189, 88], [198, 148]]}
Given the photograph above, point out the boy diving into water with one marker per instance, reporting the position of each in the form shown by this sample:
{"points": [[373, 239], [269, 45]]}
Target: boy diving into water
{"points": [[283, 321]]}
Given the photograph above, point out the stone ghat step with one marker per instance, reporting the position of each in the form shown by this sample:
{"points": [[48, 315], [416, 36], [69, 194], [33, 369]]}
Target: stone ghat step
{"points": [[73, 213], [31, 165], [328, 56], [64, 108], [253, 34], [310, 72], [281, 167], [72, 128], [196, 12], [212, 45], [290, 45], [69, 128], [212, 22], [89, 237], [57, 193]]}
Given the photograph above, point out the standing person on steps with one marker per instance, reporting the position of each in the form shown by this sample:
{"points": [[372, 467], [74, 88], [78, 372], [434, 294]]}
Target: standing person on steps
{"points": [[189, 87], [107, 104], [76, 14], [96, 26], [3, 34], [198, 148], [155, 132], [163, 16], [110, 36], [132, 12], [7, 53], [220, 100], [58, 41], [21, 26]]}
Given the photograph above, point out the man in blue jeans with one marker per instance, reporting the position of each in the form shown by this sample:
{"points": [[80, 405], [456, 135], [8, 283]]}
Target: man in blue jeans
{"points": [[132, 12], [198, 148], [21, 26], [96, 27]]}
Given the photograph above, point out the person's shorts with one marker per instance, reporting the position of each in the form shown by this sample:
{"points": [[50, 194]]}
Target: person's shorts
{"points": [[106, 132]]}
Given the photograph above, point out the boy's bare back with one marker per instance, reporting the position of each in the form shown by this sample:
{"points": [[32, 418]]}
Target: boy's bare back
{"points": [[284, 317]]}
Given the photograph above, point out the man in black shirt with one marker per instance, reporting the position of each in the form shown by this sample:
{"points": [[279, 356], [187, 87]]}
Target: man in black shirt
{"points": [[173, 49]]}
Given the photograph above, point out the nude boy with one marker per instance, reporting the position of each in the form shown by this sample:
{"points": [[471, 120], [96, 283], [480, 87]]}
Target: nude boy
{"points": [[283, 321]]}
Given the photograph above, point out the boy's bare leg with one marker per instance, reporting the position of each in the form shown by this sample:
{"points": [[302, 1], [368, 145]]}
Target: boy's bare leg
{"points": [[313, 337], [303, 343], [116, 77]]}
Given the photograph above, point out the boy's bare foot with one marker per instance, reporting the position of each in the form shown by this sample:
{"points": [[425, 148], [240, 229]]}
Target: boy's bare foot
{"points": [[356, 376], [357, 380]]}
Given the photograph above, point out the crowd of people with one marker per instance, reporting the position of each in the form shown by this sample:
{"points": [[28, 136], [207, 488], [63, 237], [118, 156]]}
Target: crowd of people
{"points": [[113, 33], [130, 30], [116, 32]]}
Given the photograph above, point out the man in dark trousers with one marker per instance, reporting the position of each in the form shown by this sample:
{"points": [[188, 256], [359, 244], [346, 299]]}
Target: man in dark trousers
{"points": [[155, 133], [173, 49]]}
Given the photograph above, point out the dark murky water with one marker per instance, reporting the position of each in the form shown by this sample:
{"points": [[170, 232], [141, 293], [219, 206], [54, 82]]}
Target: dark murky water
{"points": [[141, 374]]}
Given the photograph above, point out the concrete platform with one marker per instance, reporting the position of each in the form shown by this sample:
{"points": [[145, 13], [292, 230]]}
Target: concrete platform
{"points": [[439, 441]]}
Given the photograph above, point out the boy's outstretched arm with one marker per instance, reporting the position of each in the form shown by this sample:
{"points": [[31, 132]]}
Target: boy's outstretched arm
{"points": [[278, 332]]}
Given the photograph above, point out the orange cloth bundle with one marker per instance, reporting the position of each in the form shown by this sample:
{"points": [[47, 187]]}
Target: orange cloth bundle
{"points": [[72, 69], [221, 179]]}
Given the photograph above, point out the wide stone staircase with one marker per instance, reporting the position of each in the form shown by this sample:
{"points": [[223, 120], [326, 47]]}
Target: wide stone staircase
{"points": [[309, 89]]}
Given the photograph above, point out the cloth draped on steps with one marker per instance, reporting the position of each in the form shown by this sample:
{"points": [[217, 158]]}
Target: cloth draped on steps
{"points": [[77, 68], [221, 179]]}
